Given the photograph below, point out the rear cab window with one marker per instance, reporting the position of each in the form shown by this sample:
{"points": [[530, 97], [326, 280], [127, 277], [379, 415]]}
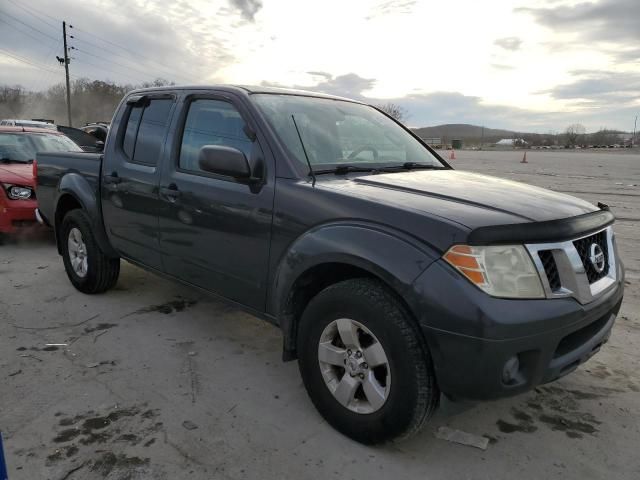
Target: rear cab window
{"points": [[145, 130]]}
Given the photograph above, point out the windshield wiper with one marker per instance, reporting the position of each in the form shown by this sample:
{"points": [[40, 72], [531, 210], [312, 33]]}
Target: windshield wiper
{"points": [[344, 169], [411, 166]]}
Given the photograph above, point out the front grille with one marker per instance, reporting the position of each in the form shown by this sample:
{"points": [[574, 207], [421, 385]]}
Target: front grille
{"points": [[550, 268], [583, 247]]}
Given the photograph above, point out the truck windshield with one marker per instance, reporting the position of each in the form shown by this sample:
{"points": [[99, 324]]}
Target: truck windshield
{"points": [[22, 147], [337, 133]]}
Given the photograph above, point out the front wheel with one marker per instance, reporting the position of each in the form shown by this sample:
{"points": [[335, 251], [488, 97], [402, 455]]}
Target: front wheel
{"points": [[88, 268], [364, 364]]}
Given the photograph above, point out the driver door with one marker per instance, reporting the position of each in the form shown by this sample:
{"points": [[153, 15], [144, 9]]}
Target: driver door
{"points": [[215, 231]]}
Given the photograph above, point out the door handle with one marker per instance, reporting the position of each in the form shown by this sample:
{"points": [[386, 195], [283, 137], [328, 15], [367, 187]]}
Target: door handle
{"points": [[171, 192], [113, 178]]}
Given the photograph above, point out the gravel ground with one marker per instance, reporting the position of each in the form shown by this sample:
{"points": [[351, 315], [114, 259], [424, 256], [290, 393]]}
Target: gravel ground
{"points": [[156, 381]]}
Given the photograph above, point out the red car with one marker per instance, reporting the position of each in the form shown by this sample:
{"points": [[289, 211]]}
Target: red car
{"points": [[18, 148]]}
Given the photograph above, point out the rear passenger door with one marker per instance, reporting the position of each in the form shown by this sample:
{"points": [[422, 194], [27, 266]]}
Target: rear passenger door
{"points": [[130, 178], [215, 231]]}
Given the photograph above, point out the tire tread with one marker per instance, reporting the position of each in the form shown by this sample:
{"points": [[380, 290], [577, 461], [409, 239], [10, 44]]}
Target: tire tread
{"points": [[394, 311], [107, 269]]}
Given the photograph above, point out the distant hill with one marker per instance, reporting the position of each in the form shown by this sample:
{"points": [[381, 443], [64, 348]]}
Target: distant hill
{"points": [[462, 131], [474, 135]]}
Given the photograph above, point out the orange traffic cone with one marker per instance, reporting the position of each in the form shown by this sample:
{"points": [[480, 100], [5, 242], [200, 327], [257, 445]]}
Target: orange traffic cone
{"points": [[452, 155], [524, 158]]}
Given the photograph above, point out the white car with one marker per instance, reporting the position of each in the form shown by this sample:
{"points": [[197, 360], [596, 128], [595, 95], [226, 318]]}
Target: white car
{"points": [[27, 123]]}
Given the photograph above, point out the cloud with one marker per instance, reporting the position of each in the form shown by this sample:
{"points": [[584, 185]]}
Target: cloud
{"points": [[435, 108], [248, 8], [170, 40], [628, 55], [614, 21], [388, 7], [600, 88], [500, 66], [349, 85], [321, 74], [509, 43]]}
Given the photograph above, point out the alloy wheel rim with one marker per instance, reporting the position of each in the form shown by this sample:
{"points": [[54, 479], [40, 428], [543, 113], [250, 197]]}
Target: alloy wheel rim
{"points": [[77, 252], [354, 366]]}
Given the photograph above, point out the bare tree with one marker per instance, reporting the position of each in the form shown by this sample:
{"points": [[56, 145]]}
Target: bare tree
{"points": [[604, 136], [12, 99], [574, 133], [394, 110]]}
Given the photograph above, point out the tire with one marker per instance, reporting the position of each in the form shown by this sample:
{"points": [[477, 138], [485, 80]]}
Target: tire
{"points": [[100, 272], [405, 392]]}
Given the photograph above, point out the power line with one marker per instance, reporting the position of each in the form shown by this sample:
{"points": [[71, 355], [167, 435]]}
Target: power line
{"points": [[24, 60], [111, 61], [101, 67], [29, 26], [164, 69], [34, 14], [44, 80], [167, 70], [21, 31]]}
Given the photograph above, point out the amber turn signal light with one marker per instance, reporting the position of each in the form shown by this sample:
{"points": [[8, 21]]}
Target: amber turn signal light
{"points": [[462, 258]]}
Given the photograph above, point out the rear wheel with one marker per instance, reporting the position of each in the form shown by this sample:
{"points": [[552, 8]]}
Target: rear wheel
{"points": [[87, 267], [364, 363]]}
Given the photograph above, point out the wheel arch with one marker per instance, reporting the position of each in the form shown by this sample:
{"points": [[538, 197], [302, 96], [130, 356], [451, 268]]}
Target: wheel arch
{"points": [[74, 191], [337, 252]]}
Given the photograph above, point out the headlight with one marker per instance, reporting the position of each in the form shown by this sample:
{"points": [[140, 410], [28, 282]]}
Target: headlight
{"points": [[16, 192], [499, 270]]}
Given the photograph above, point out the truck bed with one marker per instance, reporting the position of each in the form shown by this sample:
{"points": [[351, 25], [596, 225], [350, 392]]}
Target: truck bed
{"points": [[76, 168]]}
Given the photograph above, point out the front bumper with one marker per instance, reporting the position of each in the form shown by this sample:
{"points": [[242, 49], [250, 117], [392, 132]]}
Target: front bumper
{"points": [[16, 213], [472, 336]]}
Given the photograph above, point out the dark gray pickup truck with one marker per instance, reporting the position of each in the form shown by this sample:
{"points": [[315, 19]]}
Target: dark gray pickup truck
{"points": [[392, 276]]}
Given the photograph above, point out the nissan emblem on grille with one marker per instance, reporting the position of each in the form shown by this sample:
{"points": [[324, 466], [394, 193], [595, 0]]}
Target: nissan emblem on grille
{"points": [[596, 255]]}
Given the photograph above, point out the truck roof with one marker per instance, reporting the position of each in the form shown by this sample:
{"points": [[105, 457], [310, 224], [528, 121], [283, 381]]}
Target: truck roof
{"points": [[245, 90]]}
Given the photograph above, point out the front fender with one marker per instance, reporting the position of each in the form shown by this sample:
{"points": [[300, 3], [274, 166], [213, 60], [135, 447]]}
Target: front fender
{"points": [[394, 257], [78, 187]]}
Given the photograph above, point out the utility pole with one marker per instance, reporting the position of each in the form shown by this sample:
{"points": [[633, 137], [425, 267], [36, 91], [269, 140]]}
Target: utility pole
{"points": [[633, 140], [66, 70]]}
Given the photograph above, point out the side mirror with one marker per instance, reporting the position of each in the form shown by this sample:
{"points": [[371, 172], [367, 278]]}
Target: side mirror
{"points": [[222, 160]]}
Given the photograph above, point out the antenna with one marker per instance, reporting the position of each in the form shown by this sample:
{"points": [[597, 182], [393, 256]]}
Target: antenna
{"points": [[313, 175]]}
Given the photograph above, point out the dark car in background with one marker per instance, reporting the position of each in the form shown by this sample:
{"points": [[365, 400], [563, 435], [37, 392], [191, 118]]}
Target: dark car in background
{"points": [[100, 130], [86, 141], [18, 148]]}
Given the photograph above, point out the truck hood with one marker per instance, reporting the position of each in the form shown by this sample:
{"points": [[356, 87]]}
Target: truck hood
{"points": [[17, 173], [473, 199]]}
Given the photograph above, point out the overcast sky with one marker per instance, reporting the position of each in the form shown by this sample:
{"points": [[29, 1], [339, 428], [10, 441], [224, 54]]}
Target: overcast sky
{"points": [[535, 65]]}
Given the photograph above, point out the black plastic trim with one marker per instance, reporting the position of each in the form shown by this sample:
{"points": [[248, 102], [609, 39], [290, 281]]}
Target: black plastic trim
{"points": [[537, 232]]}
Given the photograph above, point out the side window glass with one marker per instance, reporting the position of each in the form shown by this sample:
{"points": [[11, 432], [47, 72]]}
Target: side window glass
{"points": [[153, 125], [128, 143], [211, 122]]}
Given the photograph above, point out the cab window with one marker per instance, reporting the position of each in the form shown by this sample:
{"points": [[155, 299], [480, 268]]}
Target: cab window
{"points": [[211, 122]]}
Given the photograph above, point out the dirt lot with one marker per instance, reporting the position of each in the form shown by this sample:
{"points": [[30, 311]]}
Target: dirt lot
{"points": [[158, 382]]}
